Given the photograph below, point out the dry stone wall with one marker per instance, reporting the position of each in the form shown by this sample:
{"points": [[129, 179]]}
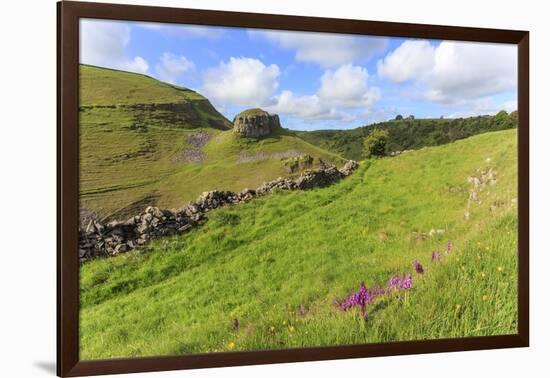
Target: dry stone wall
{"points": [[98, 239]]}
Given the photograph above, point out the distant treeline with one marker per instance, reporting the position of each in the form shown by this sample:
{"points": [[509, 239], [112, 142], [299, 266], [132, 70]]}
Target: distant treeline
{"points": [[409, 133]]}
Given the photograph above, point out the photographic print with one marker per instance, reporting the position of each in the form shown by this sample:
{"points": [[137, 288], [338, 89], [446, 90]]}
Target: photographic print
{"points": [[252, 189]]}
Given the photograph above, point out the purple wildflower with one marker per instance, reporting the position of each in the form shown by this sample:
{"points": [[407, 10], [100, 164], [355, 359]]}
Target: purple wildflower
{"points": [[394, 282], [400, 283], [436, 256], [406, 282], [361, 298], [418, 267], [449, 246], [363, 295]]}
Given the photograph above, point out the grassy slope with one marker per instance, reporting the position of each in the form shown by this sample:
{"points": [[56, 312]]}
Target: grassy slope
{"points": [[127, 152], [260, 261], [104, 86]]}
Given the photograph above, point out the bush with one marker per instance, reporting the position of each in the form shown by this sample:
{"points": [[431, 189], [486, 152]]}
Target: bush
{"points": [[375, 143]]}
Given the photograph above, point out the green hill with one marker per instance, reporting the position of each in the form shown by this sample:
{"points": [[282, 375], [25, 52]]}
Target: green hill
{"points": [[106, 93], [277, 263], [144, 142], [409, 134]]}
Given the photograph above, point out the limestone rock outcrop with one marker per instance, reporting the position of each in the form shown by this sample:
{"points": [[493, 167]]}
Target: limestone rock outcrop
{"points": [[255, 123]]}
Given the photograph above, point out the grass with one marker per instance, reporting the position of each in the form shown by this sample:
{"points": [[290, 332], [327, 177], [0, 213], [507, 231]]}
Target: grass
{"points": [[252, 112], [263, 261], [105, 86], [131, 147]]}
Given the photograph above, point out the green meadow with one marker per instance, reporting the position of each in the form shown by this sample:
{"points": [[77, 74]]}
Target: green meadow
{"points": [[277, 263]]}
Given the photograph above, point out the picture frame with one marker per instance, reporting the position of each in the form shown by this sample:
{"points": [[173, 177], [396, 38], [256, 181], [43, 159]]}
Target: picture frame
{"points": [[68, 15]]}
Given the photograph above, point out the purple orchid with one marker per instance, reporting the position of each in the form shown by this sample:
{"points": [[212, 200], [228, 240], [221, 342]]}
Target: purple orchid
{"points": [[419, 269], [365, 296], [406, 282]]}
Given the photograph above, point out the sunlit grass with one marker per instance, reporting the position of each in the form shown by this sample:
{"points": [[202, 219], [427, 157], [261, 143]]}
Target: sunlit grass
{"points": [[277, 263]]}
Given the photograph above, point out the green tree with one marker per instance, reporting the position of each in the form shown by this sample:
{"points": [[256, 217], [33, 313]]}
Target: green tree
{"points": [[502, 119], [375, 143], [399, 117]]}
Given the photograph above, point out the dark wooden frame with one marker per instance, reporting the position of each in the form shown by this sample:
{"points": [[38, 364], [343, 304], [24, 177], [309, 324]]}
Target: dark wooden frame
{"points": [[68, 14]]}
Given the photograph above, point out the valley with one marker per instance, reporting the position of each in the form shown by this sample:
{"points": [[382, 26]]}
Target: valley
{"points": [[426, 232]]}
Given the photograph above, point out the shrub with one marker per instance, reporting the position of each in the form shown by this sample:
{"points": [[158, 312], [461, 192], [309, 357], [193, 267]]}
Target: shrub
{"points": [[375, 143]]}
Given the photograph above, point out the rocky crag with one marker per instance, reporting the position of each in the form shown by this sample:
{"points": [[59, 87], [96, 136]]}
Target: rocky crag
{"points": [[255, 123], [97, 239]]}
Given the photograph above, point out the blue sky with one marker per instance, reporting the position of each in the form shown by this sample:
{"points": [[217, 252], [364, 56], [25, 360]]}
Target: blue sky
{"points": [[312, 80]]}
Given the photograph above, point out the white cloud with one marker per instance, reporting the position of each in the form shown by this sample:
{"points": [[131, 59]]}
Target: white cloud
{"points": [[248, 82], [411, 60], [453, 71], [138, 64], [171, 67], [470, 70], [306, 107], [184, 31], [325, 49], [347, 86], [241, 81], [343, 88], [103, 43]]}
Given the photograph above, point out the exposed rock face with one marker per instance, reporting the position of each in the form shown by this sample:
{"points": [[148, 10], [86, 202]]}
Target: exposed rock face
{"points": [[487, 176], [255, 123], [349, 167], [193, 153], [115, 237], [294, 164]]}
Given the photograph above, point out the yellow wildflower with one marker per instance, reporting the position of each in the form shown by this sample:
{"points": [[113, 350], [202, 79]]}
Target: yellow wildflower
{"points": [[485, 297], [499, 269], [457, 307], [291, 329], [231, 345], [272, 328]]}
